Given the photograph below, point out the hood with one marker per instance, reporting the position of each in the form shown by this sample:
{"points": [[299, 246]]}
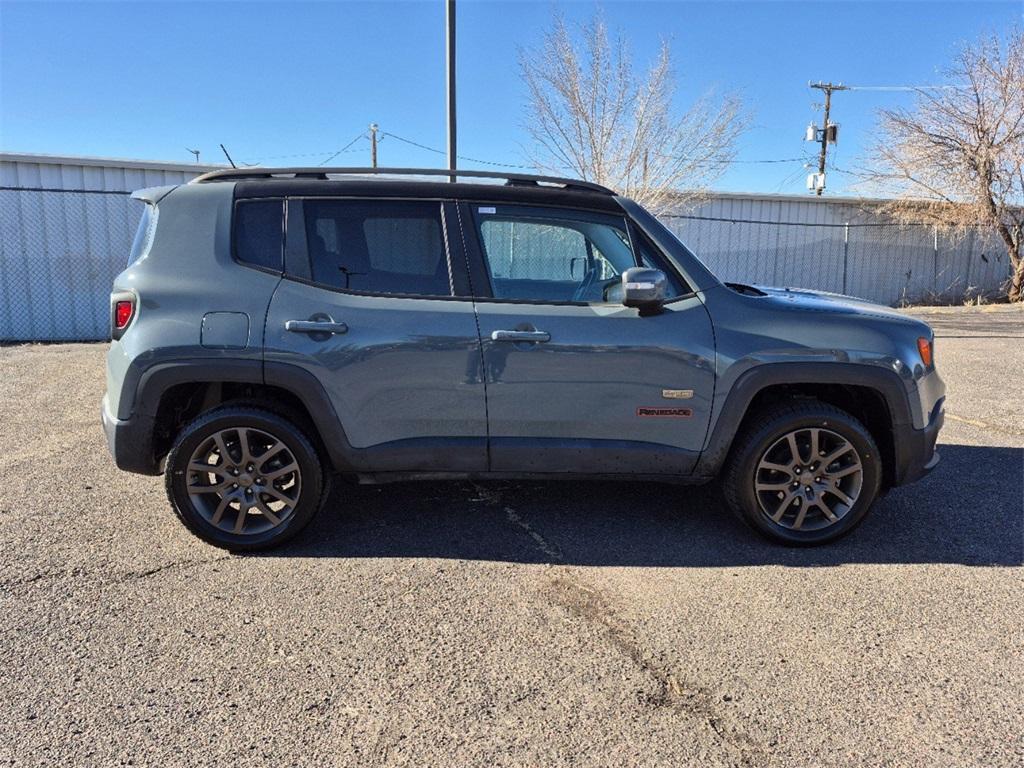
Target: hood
{"points": [[833, 303]]}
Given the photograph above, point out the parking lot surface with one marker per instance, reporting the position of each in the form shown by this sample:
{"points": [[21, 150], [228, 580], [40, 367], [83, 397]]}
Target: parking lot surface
{"points": [[512, 623]]}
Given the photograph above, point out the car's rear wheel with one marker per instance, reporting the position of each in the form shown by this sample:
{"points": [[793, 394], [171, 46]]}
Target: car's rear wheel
{"points": [[803, 473], [244, 479]]}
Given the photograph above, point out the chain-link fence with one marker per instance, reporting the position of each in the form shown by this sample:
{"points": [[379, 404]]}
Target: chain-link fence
{"points": [[881, 262], [59, 253], [61, 249]]}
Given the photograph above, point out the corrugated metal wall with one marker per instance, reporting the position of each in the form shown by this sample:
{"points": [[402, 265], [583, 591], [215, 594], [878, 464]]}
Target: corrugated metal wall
{"points": [[840, 246], [66, 227]]}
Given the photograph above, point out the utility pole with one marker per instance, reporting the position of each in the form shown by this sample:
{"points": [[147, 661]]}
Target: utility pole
{"points": [[829, 132], [450, 64], [373, 145]]}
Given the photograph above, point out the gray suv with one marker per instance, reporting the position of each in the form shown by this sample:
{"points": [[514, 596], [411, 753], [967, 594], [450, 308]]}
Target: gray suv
{"points": [[276, 327]]}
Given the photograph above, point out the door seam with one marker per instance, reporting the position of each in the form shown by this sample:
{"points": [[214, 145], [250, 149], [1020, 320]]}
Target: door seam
{"points": [[479, 337]]}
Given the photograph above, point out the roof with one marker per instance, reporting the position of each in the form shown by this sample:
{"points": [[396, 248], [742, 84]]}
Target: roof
{"points": [[426, 190], [324, 174]]}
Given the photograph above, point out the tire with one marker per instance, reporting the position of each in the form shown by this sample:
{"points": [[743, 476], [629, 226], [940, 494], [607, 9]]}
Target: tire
{"points": [[772, 500], [209, 502]]}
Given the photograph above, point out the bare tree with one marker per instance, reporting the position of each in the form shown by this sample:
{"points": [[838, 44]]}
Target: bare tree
{"points": [[590, 115], [956, 158]]}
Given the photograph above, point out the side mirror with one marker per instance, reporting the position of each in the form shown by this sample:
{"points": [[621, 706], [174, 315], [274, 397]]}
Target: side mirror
{"points": [[644, 289]]}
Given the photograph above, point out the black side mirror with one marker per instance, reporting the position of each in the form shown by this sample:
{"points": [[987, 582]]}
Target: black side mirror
{"points": [[644, 289]]}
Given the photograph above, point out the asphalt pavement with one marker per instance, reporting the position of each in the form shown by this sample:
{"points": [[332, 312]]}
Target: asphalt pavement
{"points": [[525, 624]]}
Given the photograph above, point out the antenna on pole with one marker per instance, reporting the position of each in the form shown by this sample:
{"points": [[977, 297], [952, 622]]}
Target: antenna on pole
{"points": [[224, 150], [450, 62], [194, 152]]}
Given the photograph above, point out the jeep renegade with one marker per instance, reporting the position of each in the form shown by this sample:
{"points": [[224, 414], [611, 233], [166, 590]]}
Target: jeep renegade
{"points": [[278, 326]]}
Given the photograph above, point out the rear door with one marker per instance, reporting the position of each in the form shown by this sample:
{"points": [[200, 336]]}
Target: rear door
{"points": [[371, 306], [575, 380]]}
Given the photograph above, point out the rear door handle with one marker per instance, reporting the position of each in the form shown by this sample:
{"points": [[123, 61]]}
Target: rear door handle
{"points": [[538, 336], [315, 326]]}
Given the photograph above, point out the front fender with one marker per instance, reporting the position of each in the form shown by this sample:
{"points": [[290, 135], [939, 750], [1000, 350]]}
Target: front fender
{"points": [[885, 381]]}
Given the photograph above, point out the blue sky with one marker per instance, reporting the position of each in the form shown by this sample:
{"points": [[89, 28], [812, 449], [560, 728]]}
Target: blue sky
{"points": [[289, 83]]}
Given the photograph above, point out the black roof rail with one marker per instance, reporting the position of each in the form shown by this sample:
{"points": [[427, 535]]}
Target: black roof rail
{"points": [[511, 179]]}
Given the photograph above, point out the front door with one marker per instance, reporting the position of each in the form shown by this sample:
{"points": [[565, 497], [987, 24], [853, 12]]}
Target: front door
{"points": [[575, 380], [370, 308]]}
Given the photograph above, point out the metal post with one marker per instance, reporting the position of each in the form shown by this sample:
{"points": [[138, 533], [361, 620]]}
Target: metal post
{"points": [[450, 62], [846, 251]]}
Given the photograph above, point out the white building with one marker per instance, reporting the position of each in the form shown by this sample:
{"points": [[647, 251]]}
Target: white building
{"points": [[66, 226]]}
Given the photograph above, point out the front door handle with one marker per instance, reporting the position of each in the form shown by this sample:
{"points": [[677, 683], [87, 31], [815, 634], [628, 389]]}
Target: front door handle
{"points": [[538, 336], [315, 326]]}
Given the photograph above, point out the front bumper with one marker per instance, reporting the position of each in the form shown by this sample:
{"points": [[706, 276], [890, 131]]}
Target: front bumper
{"points": [[130, 441], [915, 448]]}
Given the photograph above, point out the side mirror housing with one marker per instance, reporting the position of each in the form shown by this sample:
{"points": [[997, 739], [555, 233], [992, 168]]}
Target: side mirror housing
{"points": [[644, 289]]}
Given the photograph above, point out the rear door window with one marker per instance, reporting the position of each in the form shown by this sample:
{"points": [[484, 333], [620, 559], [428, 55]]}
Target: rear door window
{"points": [[381, 247]]}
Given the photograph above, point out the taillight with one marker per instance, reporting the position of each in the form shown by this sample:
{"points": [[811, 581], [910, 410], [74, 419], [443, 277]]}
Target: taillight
{"points": [[122, 312]]}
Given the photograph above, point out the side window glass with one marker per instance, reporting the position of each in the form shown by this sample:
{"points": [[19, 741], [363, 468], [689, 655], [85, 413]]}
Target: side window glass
{"points": [[538, 256], [259, 233], [651, 257], [143, 234], [387, 247]]}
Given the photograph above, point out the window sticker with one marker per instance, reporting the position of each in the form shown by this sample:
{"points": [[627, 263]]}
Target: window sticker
{"points": [[487, 209]]}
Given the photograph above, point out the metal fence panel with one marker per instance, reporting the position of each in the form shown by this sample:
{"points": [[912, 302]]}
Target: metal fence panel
{"points": [[59, 254], [61, 249], [884, 263]]}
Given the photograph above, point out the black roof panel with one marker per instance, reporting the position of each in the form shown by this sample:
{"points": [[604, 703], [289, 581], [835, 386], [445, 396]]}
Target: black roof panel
{"points": [[425, 190]]}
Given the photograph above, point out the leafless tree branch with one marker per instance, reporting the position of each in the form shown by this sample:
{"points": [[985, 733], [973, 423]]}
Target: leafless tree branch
{"points": [[591, 115], [956, 158]]}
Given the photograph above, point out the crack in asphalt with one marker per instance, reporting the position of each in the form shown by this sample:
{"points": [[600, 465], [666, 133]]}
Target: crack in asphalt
{"points": [[983, 425], [80, 573], [592, 607], [137, 575], [588, 604], [551, 550]]}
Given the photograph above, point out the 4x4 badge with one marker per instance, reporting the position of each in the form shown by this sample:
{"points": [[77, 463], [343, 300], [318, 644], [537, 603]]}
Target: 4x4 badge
{"points": [[677, 394]]}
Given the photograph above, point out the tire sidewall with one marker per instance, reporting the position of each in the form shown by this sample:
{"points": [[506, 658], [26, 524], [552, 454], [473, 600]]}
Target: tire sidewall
{"points": [[847, 428], [296, 442]]}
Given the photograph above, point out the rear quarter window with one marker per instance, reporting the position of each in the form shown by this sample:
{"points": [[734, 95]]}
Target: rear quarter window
{"points": [[259, 233], [144, 234]]}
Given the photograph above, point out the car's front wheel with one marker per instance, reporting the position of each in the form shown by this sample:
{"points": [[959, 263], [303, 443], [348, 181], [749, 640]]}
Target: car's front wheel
{"points": [[244, 479], [803, 473]]}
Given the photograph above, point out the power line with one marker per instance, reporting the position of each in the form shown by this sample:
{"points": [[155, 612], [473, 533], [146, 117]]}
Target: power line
{"points": [[512, 165], [460, 157], [321, 153], [357, 138], [904, 87], [742, 162], [385, 134]]}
